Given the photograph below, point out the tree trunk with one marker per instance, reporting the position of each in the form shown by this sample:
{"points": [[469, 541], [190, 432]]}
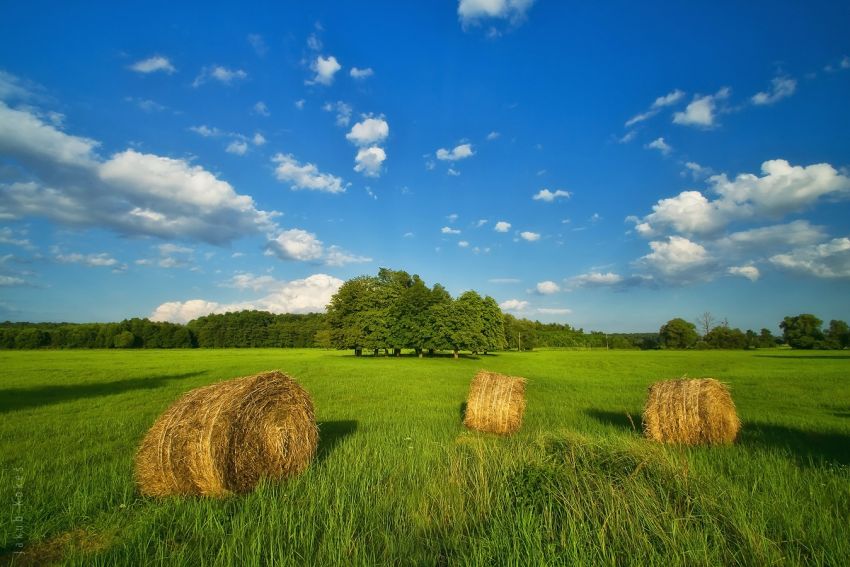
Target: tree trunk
{"points": [[418, 352], [358, 351], [430, 352], [397, 351], [456, 354], [375, 352]]}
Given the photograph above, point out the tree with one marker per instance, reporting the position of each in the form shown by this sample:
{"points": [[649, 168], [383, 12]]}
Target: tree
{"points": [[705, 322], [349, 314], [838, 334], [678, 333], [726, 338], [766, 339], [494, 325], [802, 331]]}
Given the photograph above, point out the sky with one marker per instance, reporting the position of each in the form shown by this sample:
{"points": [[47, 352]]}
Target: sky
{"points": [[606, 165]]}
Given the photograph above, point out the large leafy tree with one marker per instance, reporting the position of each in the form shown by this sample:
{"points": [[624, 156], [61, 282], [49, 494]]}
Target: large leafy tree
{"points": [[678, 333], [802, 331], [838, 334]]}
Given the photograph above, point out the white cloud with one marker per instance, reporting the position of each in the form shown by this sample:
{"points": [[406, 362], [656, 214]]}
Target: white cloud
{"points": [[368, 132], [261, 109], [493, 136], [452, 217], [206, 131], [9, 281], [781, 189], [473, 11], [480, 223], [257, 42], [660, 145], [258, 139], [8, 236], [221, 74], [336, 256], [453, 172], [325, 69], [696, 170], [702, 110], [314, 43], [311, 294], [627, 137], [361, 73], [296, 244], [27, 136], [463, 243], [750, 272], [153, 64], [306, 176], [596, 279], [770, 238], [237, 147], [102, 260], [828, 260], [343, 112], [449, 230], [529, 236], [547, 287], [461, 151], [554, 311], [368, 161], [504, 280], [502, 226], [671, 98], [513, 305], [250, 281], [780, 87], [299, 104], [12, 87], [676, 258], [550, 196]]}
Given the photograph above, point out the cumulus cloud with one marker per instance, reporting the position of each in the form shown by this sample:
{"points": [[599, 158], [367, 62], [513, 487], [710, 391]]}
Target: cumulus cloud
{"points": [[296, 244], [660, 145], [767, 239], [221, 74], [206, 131], [306, 176], [597, 279], [750, 272], [343, 111], [513, 305], [670, 98], [829, 260], [502, 226], [473, 11], [550, 196], [11, 281], [463, 244], [449, 230], [529, 236], [368, 161], [781, 189], [336, 256], [780, 87], [261, 109], [361, 73], [702, 110], [102, 260], [547, 287], [369, 131], [459, 152], [324, 69], [258, 139], [554, 311], [237, 147], [493, 136], [308, 295], [153, 64], [677, 258]]}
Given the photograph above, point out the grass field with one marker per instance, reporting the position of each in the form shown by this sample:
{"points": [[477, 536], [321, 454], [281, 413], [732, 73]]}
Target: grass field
{"points": [[399, 481]]}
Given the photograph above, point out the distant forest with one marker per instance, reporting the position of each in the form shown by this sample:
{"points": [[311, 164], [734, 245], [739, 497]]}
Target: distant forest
{"points": [[260, 329]]}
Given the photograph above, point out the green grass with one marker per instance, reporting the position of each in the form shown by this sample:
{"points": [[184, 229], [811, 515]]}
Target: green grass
{"points": [[399, 481]]}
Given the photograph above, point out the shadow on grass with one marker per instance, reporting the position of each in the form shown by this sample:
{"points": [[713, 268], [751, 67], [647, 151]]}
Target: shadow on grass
{"points": [[331, 433], [807, 447], [805, 356], [463, 406], [12, 399], [621, 419], [442, 355]]}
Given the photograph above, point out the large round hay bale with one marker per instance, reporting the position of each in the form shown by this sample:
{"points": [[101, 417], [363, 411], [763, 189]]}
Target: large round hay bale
{"points": [[495, 403], [690, 412], [225, 437]]}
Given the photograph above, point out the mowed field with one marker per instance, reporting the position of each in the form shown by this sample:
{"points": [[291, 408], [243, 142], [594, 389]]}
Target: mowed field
{"points": [[399, 481]]}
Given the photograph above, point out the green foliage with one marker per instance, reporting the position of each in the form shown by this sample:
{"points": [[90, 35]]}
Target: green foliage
{"points": [[728, 338], [802, 331], [838, 334], [678, 333]]}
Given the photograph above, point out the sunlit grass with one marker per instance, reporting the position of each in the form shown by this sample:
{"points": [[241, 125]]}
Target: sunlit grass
{"points": [[398, 480]]}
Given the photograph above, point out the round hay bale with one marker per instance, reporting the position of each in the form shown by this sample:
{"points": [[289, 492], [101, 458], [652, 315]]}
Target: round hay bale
{"points": [[495, 403], [225, 437], [690, 412]]}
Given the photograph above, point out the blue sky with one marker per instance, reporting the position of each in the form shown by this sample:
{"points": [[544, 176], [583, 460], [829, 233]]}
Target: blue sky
{"points": [[609, 166]]}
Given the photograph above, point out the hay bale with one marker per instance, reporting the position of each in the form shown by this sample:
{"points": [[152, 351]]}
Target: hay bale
{"points": [[495, 403], [225, 437], [690, 412]]}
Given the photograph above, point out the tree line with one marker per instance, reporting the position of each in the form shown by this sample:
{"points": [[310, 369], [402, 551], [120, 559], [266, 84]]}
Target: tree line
{"points": [[804, 331]]}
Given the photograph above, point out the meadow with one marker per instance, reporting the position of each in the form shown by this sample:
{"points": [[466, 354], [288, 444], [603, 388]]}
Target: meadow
{"points": [[398, 481]]}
